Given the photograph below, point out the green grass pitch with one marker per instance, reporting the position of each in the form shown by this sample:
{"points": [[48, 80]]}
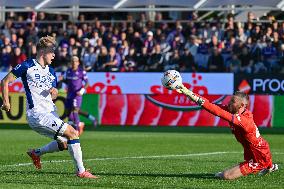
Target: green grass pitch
{"points": [[136, 157]]}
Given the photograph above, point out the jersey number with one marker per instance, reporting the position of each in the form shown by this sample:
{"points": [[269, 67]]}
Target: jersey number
{"points": [[252, 164]]}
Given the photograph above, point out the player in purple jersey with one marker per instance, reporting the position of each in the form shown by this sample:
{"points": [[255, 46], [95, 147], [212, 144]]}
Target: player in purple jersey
{"points": [[77, 81]]}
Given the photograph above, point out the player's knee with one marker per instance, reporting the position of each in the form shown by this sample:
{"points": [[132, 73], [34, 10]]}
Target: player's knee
{"points": [[71, 133], [228, 176], [74, 134]]}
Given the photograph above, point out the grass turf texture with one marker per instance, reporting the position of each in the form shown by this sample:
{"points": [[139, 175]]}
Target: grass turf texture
{"points": [[136, 157]]}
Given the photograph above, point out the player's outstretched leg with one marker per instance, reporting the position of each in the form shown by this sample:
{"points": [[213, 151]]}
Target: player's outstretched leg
{"points": [[230, 174], [75, 151], [36, 153]]}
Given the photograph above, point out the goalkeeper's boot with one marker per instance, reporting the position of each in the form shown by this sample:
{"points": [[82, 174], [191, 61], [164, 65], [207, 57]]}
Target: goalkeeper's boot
{"points": [[269, 170], [274, 167], [35, 158], [86, 174], [219, 175]]}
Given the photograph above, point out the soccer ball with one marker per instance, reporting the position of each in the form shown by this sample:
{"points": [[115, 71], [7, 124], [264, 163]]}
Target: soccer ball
{"points": [[171, 79]]}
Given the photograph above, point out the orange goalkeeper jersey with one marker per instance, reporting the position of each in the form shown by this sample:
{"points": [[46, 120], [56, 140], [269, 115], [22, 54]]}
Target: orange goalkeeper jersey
{"points": [[246, 132]]}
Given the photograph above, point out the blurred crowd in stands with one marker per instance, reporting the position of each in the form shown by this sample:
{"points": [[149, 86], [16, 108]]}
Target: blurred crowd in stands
{"points": [[150, 46]]}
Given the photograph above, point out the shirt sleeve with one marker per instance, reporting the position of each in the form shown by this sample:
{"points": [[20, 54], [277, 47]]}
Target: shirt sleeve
{"points": [[19, 70], [54, 83], [235, 119]]}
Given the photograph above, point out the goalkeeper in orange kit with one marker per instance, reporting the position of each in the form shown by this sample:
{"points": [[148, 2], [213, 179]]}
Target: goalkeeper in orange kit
{"points": [[257, 156]]}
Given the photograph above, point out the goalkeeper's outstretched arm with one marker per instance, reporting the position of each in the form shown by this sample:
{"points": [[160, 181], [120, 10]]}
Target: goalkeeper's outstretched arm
{"points": [[212, 108]]}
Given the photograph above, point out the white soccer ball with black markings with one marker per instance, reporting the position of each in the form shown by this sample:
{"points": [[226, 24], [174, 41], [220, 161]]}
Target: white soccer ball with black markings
{"points": [[171, 79]]}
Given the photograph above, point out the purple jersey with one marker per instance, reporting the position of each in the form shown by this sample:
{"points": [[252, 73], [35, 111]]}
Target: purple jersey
{"points": [[75, 80]]}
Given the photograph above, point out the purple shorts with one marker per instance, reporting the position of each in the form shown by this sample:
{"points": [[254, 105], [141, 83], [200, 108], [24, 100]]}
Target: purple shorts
{"points": [[75, 102]]}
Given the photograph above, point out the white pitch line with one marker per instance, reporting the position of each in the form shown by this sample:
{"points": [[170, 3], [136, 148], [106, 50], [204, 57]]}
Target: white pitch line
{"points": [[121, 158]]}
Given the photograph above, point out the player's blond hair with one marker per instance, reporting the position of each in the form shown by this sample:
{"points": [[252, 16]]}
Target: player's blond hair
{"points": [[243, 96], [45, 42]]}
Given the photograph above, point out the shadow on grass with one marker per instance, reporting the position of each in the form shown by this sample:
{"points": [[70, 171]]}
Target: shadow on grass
{"points": [[44, 179], [187, 175], [13, 172], [49, 184], [101, 174]]}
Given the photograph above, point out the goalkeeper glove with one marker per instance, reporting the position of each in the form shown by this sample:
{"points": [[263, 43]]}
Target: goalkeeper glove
{"points": [[199, 100]]}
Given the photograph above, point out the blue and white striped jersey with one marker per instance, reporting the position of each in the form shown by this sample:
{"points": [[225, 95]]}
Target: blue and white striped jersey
{"points": [[37, 82]]}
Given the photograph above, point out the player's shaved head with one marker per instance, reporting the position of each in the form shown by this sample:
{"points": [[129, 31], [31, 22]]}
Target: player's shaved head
{"points": [[242, 97], [239, 102]]}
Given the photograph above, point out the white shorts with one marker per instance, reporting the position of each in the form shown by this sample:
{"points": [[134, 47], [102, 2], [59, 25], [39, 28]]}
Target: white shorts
{"points": [[47, 124]]}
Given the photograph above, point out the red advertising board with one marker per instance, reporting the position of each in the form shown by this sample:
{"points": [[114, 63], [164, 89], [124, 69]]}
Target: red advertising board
{"points": [[139, 99], [173, 110]]}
